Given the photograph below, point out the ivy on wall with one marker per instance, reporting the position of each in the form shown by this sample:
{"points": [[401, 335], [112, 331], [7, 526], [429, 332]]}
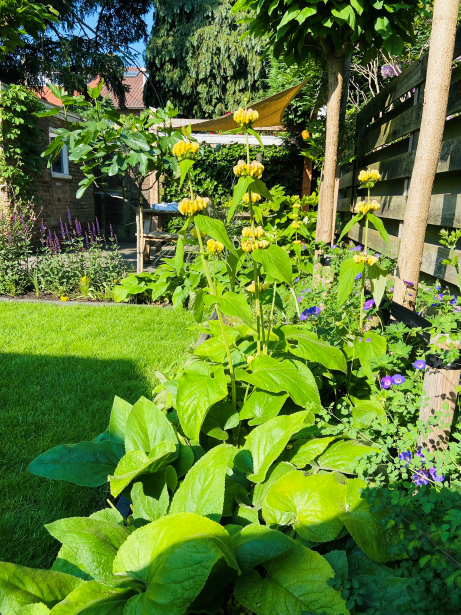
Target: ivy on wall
{"points": [[20, 158], [213, 176]]}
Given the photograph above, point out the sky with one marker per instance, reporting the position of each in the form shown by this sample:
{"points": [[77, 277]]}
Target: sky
{"points": [[140, 46]]}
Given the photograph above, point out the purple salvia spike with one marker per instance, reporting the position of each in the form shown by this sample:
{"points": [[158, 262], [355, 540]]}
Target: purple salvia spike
{"points": [[67, 232], [42, 227], [97, 225], [94, 230], [62, 228], [86, 240], [89, 230]]}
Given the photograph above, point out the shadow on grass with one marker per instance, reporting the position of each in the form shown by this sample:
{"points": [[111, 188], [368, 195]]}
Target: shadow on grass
{"points": [[46, 401]]}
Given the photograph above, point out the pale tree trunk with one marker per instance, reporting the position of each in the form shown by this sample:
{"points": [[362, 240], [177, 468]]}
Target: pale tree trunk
{"points": [[428, 151], [335, 69], [139, 240]]}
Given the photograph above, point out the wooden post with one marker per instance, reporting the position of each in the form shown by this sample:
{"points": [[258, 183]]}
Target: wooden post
{"points": [[139, 239], [307, 178], [440, 387]]}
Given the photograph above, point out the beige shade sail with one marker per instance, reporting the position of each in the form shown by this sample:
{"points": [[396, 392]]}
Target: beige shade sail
{"points": [[270, 114]]}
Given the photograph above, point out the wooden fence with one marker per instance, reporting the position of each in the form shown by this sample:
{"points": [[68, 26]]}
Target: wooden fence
{"points": [[388, 135]]}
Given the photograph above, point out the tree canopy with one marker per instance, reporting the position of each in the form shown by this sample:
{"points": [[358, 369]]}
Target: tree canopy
{"points": [[196, 58], [70, 52], [19, 18]]}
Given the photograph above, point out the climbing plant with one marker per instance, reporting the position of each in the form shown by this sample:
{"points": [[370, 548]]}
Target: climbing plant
{"points": [[20, 159]]}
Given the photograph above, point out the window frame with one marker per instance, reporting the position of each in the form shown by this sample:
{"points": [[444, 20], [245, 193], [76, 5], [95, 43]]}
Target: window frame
{"points": [[64, 158]]}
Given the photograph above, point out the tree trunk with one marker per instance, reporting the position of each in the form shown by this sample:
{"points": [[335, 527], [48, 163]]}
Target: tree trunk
{"points": [[440, 387], [335, 69], [139, 240], [428, 151]]}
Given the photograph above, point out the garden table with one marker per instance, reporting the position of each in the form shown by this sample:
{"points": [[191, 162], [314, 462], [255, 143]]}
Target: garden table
{"points": [[153, 228]]}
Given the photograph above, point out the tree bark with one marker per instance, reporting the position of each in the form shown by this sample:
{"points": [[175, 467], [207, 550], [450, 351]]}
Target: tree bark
{"points": [[335, 69], [440, 387], [428, 151]]}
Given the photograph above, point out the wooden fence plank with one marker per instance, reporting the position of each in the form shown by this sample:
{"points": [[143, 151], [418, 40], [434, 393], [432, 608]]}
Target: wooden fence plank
{"points": [[398, 86], [344, 204], [346, 180], [432, 255]]}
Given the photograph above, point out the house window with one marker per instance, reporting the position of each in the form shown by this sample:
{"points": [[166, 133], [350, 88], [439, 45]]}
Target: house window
{"points": [[60, 166]]}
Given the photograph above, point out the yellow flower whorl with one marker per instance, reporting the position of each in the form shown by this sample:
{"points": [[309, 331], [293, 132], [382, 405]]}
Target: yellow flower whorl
{"points": [[262, 287], [255, 198], [365, 207], [185, 150], [365, 258], [296, 205], [263, 244], [245, 117], [250, 359], [298, 241], [214, 246], [295, 224], [187, 207], [371, 260], [255, 169], [247, 232], [367, 175]]}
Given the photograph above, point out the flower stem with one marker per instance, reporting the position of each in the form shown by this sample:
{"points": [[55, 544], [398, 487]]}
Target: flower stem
{"points": [[362, 294], [229, 358]]}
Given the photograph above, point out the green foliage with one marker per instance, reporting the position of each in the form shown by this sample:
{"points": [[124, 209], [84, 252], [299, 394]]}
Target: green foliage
{"points": [[297, 31], [197, 60], [19, 154], [20, 18]]}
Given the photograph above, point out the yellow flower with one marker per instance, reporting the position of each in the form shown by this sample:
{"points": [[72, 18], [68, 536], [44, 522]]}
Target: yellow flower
{"points": [[262, 287], [245, 117], [64, 298], [83, 280], [263, 244], [296, 205], [305, 134], [375, 175], [259, 232], [250, 359], [115, 281], [248, 232], [295, 224], [189, 208], [214, 246], [185, 150], [255, 198], [371, 260], [365, 207], [247, 245], [194, 233], [297, 241], [367, 175], [251, 288], [361, 258], [255, 169], [364, 176]]}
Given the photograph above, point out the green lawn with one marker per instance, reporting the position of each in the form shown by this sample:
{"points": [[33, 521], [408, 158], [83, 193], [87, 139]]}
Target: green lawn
{"points": [[60, 367]]}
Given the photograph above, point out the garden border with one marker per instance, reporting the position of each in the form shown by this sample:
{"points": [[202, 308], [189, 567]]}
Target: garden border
{"points": [[92, 303]]}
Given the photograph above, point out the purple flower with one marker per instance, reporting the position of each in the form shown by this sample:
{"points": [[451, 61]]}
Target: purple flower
{"points": [[440, 297], [406, 456], [437, 287], [297, 279], [360, 339], [420, 454], [313, 311], [97, 225], [304, 315], [42, 226], [69, 216], [398, 379], [62, 229], [358, 248], [419, 364], [390, 70], [368, 340], [386, 382], [435, 478], [333, 247], [307, 290], [368, 305], [378, 255], [391, 289], [303, 247], [434, 304], [300, 299], [453, 300], [421, 478], [358, 276], [407, 283]]}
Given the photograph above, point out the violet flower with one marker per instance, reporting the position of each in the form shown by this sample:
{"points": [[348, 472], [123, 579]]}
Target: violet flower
{"points": [[314, 311], [97, 225], [407, 283], [435, 478], [421, 478], [398, 379], [419, 364], [406, 456], [386, 382], [69, 217], [358, 276], [304, 315], [368, 305]]}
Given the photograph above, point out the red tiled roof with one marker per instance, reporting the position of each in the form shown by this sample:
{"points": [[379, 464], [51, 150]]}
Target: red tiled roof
{"points": [[133, 98]]}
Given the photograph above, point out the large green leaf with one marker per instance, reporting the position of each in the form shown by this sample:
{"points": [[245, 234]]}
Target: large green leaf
{"points": [[202, 491], [260, 490], [288, 376], [33, 609], [344, 456], [185, 458], [296, 582], [173, 556], [256, 544], [265, 443], [349, 270], [378, 280], [150, 497], [240, 189], [94, 598], [349, 225], [220, 417], [184, 167], [366, 411], [136, 463], [364, 526], [234, 304], [87, 463], [20, 586], [215, 229], [305, 451], [262, 406], [196, 394], [314, 503], [276, 262], [312, 349], [118, 418], [147, 426], [93, 543]]}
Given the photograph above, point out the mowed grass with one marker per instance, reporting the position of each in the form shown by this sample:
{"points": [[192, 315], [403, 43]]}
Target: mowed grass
{"points": [[60, 367]]}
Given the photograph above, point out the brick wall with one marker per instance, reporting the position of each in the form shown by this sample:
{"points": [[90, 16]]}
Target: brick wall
{"points": [[56, 194]]}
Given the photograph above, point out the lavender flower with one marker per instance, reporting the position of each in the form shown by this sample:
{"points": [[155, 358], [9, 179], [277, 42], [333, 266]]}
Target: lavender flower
{"points": [[89, 230], [368, 305], [307, 290], [406, 456], [360, 339], [314, 311], [97, 225], [69, 217], [420, 454], [390, 70], [300, 299], [304, 315], [386, 382], [93, 229], [440, 297], [391, 289], [67, 232], [407, 283], [333, 247], [358, 276], [296, 281], [62, 228], [421, 478], [86, 240], [42, 226], [368, 340], [453, 300], [303, 247], [435, 478], [419, 364], [398, 379]]}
